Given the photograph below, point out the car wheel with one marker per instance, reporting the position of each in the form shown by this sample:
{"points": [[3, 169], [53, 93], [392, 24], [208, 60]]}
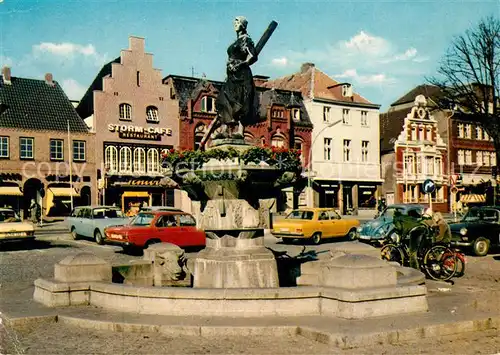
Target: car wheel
{"points": [[74, 235], [481, 246], [316, 238], [98, 237], [352, 235]]}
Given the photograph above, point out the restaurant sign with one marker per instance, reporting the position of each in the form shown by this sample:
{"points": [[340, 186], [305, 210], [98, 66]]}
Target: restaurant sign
{"points": [[135, 132]]}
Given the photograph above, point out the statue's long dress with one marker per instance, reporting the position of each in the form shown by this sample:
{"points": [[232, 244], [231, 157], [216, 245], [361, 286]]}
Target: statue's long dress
{"points": [[235, 102]]}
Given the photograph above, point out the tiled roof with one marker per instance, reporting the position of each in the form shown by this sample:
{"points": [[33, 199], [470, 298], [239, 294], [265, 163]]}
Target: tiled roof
{"points": [[323, 86], [35, 105], [188, 87], [391, 125], [426, 90], [86, 106]]}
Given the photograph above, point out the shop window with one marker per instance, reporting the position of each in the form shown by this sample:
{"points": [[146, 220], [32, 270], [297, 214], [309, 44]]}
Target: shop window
{"points": [[208, 104], [125, 112], [139, 160], [4, 147], [152, 114], [366, 196], [153, 161], [111, 158], [125, 160]]}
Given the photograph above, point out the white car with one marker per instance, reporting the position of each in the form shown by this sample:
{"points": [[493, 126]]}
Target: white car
{"points": [[12, 228]]}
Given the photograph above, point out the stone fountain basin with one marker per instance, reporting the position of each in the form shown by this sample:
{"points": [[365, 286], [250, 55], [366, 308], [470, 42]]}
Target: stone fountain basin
{"points": [[262, 302]]}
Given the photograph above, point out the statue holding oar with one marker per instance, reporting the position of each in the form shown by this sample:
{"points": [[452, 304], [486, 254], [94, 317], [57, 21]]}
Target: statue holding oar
{"points": [[235, 102]]}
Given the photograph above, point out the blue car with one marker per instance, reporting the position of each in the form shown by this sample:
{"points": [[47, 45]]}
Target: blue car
{"points": [[90, 221], [374, 232]]}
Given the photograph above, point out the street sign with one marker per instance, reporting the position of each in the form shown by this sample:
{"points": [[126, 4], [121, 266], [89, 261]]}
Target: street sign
{"points": [[429, 186]]}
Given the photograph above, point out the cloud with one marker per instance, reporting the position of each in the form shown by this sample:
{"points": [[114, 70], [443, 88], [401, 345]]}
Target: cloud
{"points": [[365, 43], [69, 51], [410, 53], [280, 62], [73, 89], [365, 80]]}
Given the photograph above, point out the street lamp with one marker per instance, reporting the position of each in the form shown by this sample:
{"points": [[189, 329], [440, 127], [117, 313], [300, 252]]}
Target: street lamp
{"points": [[309, 163]]}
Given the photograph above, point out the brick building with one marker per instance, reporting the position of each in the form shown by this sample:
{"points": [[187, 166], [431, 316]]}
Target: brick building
{"points": [[283, 120], [36, 154], [134, 120], [412, 151]]}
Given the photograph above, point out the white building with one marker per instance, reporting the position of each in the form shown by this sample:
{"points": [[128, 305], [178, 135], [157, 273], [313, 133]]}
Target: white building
{"points": [[345, 171]]}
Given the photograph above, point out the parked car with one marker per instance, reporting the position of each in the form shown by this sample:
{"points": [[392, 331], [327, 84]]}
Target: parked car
{"points": [[159, 208], [90, 221], [314, 224], [478, 230], [374, 231], [147, 228], [13, 229]]}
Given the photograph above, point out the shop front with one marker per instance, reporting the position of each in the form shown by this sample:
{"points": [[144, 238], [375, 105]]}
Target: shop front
{"points": [[130, 194], [367, 196], [11, 196]]}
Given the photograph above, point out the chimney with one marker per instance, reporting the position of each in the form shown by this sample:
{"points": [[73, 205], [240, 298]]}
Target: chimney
{"points": [[259, 80], [48, 79], [305, 67], [6, 75]]}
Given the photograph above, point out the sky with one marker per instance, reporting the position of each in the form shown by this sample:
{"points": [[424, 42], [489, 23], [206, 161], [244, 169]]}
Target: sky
{"points": [[384, 48]]}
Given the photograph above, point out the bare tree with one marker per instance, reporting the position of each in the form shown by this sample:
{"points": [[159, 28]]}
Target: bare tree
{"points": [[469, 77]]}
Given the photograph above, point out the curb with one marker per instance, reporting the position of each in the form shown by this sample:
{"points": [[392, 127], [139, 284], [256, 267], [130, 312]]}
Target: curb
{"points": [[339, 340]]}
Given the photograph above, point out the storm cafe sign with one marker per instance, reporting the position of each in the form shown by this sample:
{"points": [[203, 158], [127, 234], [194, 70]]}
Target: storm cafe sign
{"points": [[135, 132]]}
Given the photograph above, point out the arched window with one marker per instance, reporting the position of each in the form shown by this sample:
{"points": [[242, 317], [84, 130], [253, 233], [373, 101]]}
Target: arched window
{"points": [[199, 133], [139, 160], [153, 161], [125, 112], [249, 138], [111, 158], [278, 141], [125, 160], [208, 104], [152, 114]]}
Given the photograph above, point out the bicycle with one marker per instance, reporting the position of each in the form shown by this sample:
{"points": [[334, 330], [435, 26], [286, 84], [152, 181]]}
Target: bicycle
{"points": [[438, 261]]}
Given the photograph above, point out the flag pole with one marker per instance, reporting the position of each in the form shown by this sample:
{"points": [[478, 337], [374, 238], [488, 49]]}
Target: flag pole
{"points": [[70, 168]]}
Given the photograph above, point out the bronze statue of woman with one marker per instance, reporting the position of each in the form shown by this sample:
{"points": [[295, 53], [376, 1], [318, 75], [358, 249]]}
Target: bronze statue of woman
{"points": [[235, 102]]}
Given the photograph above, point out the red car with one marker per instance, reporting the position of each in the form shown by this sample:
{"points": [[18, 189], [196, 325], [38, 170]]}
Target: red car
{"points": [[147, 228]]}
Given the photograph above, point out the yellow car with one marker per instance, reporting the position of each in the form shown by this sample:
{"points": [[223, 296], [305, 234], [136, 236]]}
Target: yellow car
{"points": [[314, 224], [12, 229]]}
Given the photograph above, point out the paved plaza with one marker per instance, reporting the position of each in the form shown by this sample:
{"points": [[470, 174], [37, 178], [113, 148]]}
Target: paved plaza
{"points": [[477, 291]]}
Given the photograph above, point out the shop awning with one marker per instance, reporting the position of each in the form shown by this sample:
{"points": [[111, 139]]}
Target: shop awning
{"points": [[135, 194], [473, 198], [10, 191], [63, 191]]}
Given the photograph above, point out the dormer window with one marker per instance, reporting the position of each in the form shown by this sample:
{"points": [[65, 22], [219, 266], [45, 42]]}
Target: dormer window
{"points": [[296, 114], [125, 112], [346, 90], [152, 114], [277, 113], [208, 104]]}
